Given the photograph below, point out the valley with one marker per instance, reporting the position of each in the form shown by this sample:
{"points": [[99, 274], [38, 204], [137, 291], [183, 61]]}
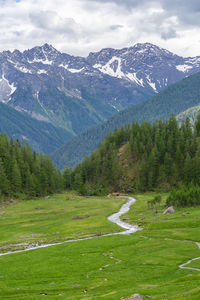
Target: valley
{"points": [[99, 150], [111, 267]]}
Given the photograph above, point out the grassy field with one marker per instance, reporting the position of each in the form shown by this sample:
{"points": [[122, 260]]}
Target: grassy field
{"points": [[146, 262], [48, 220]]}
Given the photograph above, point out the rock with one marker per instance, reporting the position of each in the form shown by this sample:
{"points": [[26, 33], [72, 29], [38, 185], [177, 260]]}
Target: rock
{"points": [[135, 297], [12, 200], [169, 210], [56, 233], [80, 218], [183, 215], [43, 294]]}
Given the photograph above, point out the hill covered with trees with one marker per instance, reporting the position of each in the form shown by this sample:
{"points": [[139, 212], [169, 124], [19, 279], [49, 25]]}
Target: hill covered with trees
{"points": [[42, 136], [23, 171], [173, 100], [143, 157]]}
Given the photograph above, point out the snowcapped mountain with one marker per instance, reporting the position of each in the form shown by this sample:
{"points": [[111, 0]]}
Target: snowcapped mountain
{"points": [[76, 92], [146, 65]]}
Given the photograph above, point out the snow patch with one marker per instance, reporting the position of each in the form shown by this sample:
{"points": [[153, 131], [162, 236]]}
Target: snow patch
{"points": [[23, 69], [76, 70], [152, 84], [184, 68], [64, 66], [133, 77], [42, 72], [108, 68], [116, 70], [115, 107], [7, 89], [45, 62]]}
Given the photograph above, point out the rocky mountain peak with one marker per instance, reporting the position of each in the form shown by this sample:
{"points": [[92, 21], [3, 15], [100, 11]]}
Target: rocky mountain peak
{"points": [[40, 81]]}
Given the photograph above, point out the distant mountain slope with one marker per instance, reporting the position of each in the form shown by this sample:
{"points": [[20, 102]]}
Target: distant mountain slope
{"points": [[76, 93], [42, 136], [173, 100]]}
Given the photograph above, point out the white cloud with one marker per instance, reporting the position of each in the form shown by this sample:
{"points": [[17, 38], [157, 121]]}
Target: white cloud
{"points": [[80, 26]]}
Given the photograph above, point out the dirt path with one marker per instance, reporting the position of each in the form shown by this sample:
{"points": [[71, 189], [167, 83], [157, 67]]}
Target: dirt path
{"points": [[115, 218]]}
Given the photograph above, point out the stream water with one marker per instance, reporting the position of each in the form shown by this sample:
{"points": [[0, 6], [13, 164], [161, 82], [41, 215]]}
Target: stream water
{"points": [[115, 218]]}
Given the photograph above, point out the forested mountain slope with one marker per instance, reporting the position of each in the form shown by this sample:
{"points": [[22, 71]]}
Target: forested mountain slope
{"points": [[42, 136], [173, 100], [142, 157]]}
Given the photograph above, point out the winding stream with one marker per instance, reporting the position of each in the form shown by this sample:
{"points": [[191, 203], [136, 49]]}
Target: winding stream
{"points": [[183, 266], [115, 218]]}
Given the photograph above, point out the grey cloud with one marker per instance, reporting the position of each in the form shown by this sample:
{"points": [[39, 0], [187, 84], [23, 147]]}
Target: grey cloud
{"points": [[115, 27], [127, 3], [187, 11], [168, 33], [191, 5], [50, 21]]}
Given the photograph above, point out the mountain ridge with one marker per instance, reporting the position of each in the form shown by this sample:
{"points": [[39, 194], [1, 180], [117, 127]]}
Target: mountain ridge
{"points": [[55, 87]]}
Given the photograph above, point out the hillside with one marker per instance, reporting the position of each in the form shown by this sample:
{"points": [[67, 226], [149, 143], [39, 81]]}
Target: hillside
{"points": [[42, 136], [173, 100], [142, 157]]}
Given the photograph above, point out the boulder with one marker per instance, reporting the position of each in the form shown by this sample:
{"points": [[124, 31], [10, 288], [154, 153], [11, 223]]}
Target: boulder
{"points": [[169, 210]]}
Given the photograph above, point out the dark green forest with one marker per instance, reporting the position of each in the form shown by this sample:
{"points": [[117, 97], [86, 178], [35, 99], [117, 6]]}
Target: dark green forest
{"points": [[145, 157], [23, 171]]}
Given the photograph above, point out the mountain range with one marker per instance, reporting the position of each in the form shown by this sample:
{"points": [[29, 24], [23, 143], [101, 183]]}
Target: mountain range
{"points": [[75, 93]]}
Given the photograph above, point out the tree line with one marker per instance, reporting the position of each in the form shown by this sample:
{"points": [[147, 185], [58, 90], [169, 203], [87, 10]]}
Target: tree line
{"points": [[24, 171]]}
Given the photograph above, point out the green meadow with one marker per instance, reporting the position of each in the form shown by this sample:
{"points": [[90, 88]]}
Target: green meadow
{"points": [[112, 267]]}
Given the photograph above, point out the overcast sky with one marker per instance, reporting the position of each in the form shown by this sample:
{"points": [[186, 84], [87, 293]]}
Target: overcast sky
{"points": [[81, 26]]}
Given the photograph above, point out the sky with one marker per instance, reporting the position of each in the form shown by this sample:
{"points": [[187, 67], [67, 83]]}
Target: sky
{"points": [[78, 27]]}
